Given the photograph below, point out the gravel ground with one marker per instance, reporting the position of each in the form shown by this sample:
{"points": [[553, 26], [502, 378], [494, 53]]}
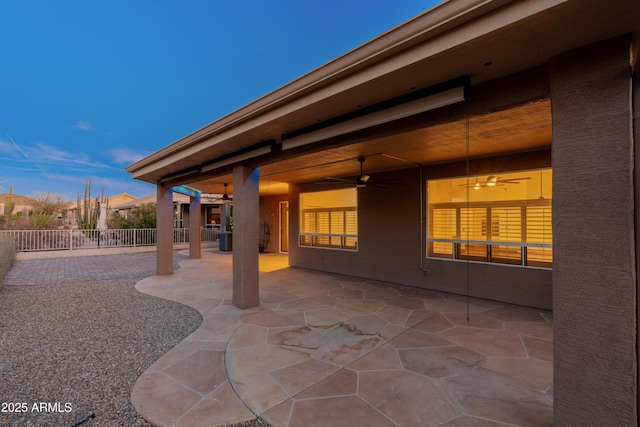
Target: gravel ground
{"points": [[79, 348], [83, 344]]}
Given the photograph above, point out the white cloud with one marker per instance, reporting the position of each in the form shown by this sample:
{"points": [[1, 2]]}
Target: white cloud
{"points": [[8, 148], [126, 155], [84, 126], [48, 155], [111, 185]]}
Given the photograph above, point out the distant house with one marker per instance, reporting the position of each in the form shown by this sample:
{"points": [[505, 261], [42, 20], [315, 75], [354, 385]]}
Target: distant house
{"points": [[71, 215], [210, 207], [22, 203]]}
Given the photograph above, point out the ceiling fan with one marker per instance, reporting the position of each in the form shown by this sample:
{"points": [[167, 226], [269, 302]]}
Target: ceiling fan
{"points": [[360, 182], [225, 198], [493, 181]]}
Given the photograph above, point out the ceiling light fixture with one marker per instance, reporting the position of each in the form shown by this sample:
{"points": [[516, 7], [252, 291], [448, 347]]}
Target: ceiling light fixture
{"points": [[362, 179], [492, 180]]}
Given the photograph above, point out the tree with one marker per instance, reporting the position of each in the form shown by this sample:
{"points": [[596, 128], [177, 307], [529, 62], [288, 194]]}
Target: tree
{"points": [[118, 222], [49, 204], [144, 216]]}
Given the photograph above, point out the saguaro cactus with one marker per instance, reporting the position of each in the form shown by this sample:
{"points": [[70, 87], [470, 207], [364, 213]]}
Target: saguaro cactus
{"points": [[9, 204]]}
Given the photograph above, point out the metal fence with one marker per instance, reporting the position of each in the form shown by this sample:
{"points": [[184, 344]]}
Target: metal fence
{"points": [[53, 240]]}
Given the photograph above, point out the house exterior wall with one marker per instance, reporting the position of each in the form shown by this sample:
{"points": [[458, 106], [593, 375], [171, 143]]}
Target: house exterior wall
{"points": [[389, 240], [595, 283]]}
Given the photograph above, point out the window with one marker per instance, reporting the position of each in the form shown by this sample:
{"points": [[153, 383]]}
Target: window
{"points": [[329, 219], [499, 218]]}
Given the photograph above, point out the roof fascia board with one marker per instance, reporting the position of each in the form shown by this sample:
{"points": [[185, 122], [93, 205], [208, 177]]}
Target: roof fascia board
{"points": [[290, 97]]}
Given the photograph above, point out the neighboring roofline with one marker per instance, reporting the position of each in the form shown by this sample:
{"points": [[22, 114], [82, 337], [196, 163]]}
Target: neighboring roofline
{"points": [[427, 25], [150, 198]]}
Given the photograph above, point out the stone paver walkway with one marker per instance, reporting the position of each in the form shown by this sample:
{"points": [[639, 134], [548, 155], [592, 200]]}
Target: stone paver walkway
{"points": [[76, 269], [330, 350]]}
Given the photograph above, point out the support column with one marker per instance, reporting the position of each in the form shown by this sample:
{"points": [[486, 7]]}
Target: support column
{"points": [[594, 262], [225, 211], [195, 237], [245, 237], [164, 225]]}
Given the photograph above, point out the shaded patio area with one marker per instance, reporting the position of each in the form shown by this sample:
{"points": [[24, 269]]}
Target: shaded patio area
{"points": [[326, 349]]}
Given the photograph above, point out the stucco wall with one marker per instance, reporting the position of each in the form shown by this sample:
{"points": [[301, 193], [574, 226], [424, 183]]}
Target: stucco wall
{"points": [[595, 290], [389, 240]]}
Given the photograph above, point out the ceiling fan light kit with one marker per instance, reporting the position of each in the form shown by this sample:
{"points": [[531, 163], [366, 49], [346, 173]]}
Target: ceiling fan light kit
{"points": [[493, 181], [363, 179]]}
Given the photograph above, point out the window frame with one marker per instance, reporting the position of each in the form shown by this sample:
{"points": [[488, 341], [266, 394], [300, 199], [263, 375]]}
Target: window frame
{"points": [[329, 240], [489, 250]]}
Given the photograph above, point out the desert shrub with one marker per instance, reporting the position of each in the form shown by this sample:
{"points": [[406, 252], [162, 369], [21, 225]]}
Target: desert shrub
{"points": [[144, 216], [7, 256], [30, 222], [40, 222], [118, 222]]}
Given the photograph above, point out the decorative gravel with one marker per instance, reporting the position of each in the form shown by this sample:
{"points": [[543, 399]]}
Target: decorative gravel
{"points": [[70, 353]]}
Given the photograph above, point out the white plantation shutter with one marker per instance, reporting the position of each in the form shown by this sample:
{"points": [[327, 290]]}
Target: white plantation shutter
{"points": [[333, 228], [494, 233], [539, 231], [506, 226], [443, 226]]}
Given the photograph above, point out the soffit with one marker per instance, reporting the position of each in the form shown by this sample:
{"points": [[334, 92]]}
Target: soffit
{"points": [[521, 128]]}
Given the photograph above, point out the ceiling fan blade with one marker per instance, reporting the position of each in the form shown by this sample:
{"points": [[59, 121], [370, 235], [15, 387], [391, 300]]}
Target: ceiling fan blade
{"points": [[330, 182], [340, 179], [513, 180]]}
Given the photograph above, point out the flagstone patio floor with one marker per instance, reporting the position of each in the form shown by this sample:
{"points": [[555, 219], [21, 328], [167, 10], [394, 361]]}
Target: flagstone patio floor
{"points": [[330, 350]]}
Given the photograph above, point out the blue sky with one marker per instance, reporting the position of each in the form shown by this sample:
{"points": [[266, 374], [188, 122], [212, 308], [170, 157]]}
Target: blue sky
{"points": [[87, 88]]}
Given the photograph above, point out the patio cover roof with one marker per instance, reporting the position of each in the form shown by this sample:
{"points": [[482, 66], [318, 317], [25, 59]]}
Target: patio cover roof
{"points": [[460, 39]]}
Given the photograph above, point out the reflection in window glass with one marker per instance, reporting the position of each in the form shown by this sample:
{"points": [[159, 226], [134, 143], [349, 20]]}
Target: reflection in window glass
{"points": [[500, 218], [329, 219]]}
